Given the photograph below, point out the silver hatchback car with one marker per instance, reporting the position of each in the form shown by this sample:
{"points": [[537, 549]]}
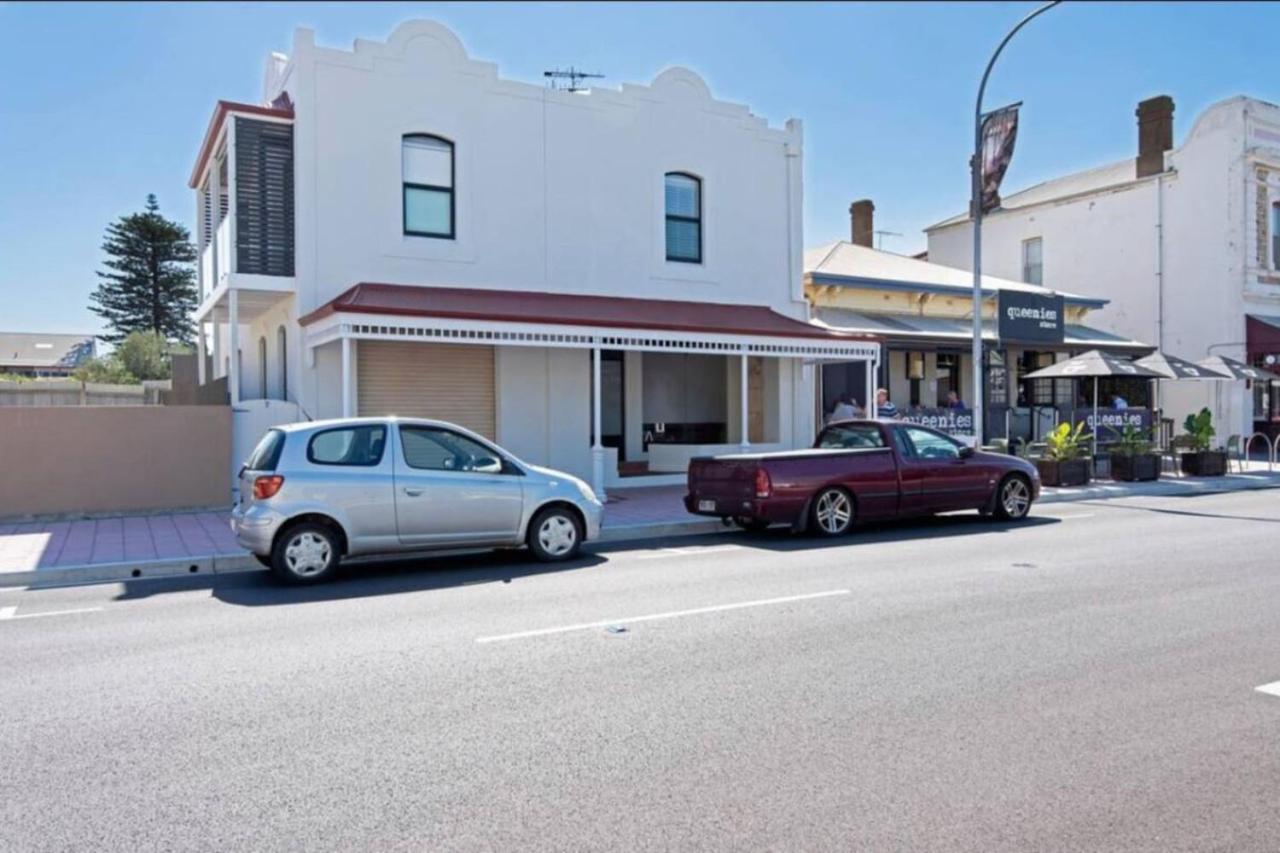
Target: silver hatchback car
{"points": [[313, 493]]}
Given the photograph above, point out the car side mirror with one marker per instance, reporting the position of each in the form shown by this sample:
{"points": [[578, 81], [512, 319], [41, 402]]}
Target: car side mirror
{"points": [[966, 452]]}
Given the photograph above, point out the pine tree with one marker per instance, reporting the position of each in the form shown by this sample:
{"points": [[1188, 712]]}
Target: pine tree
{"points": [[149, 282]]}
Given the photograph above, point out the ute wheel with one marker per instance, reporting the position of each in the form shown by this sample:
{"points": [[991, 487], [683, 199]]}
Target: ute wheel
{"points": [[305, 553], [832, 513], [555, 534], [1013, 498], [751, 525]]}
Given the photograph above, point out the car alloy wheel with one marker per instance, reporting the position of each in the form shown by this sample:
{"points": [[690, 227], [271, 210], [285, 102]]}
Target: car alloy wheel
{"points": [[833, 512], [307, 553], [557, 535], [1015, 498]]}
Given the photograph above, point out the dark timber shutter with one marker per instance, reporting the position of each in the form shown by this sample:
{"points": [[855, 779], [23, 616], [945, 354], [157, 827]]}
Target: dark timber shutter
{"points": [[264, 197]]}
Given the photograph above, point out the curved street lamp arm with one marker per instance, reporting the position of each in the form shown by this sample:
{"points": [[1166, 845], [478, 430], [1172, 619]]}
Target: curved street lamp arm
{"points": [[982, 87]]}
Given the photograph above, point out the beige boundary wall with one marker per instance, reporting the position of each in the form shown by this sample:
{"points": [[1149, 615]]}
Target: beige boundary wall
{"points": [[101, 459]]}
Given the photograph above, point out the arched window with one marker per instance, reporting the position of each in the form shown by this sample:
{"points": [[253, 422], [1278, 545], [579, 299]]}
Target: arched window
{"points": [[262, 368], [426, 164], [284, 363], [683, 195]]}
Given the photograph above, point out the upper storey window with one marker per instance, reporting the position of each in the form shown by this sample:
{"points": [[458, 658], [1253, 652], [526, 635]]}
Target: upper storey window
{"points": [[427, 172], [683, 194]]}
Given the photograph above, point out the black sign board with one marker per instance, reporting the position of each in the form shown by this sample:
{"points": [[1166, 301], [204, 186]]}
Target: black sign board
{"points": [[1030, 318]]}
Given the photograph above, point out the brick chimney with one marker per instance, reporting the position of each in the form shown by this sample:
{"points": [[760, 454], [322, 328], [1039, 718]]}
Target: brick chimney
{"points": [[1155, 134], [862, 222]]}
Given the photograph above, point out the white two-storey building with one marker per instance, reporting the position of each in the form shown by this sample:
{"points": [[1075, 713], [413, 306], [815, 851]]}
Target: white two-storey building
{"points": [[1184, 241], [606, 282]]}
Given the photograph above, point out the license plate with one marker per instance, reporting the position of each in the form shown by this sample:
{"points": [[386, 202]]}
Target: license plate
{"points": [[706, 506]]}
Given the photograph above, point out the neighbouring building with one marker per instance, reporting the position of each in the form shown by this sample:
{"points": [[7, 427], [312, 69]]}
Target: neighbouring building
{"points": [[604, 281], [1184, 241], [37, 354], [923, 314]]}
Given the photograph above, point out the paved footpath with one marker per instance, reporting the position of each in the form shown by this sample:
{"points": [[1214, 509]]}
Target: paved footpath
{"points": [[165, 544]]}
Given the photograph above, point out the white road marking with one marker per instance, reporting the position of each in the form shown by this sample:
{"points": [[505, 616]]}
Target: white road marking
{"points": [[685, 552], [653, 617], [8, 614], [1272, 689]]}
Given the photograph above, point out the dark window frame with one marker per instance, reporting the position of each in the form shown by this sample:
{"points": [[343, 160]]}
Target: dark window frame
{"points": [[382, 452], [405, 186], [669, 217]]}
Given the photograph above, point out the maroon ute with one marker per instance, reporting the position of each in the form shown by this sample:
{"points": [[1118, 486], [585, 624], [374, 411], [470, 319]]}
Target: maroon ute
{"points": [[860, 470]]}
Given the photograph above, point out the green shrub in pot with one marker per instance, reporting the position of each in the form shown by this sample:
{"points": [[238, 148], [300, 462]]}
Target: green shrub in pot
{"points": [[1065, 461], [1132, 458], [1202, 461]]}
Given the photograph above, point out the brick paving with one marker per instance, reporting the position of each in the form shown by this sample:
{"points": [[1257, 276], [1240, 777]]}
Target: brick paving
{"points": [[94, 541]]}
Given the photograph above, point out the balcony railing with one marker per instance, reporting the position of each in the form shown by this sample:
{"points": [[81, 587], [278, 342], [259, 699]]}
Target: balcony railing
{"points": [[215, 259]]}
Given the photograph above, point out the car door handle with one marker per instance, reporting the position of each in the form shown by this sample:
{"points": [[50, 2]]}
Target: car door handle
{"points": [[413, 493]]}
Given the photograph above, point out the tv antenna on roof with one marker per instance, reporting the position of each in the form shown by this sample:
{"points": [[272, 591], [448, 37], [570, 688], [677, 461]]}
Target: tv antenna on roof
{"points": [[880, 235], [573, 76]]}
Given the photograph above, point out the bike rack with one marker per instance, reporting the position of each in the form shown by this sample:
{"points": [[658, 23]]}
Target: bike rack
{"points": [[1267, 443]]}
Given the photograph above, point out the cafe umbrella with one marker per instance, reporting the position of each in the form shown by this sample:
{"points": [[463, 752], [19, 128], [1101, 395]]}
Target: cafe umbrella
{"points": [[1094, 364], [1172, 367], [1236, 369]]}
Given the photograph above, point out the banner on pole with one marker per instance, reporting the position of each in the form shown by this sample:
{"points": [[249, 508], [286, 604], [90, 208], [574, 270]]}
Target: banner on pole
{"points": [[999, 132]]}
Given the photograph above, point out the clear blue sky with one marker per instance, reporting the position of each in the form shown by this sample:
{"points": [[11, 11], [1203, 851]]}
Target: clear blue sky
{"points": [[102, 103]]}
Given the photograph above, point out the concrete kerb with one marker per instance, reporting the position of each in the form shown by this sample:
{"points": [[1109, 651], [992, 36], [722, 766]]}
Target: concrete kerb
{"points": [[234, 563]]}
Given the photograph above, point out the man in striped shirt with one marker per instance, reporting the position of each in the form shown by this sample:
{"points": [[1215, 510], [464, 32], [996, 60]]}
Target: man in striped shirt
{"points": [[884, 407]]}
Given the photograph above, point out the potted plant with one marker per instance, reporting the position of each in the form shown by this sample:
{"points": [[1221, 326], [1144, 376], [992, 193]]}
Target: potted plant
{"points": [[1131, 456], [1064, 462], [1201, 460]]}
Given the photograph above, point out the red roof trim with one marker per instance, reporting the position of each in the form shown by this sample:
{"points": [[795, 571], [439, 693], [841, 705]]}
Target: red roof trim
{"points": [[512, 306], [220, 113]]}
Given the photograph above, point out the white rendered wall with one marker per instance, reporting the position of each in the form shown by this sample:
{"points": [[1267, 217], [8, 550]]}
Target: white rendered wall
{"points": [[543, 399]]}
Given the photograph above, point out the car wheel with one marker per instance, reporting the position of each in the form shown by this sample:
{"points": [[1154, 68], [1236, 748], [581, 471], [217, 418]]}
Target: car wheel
{"points": [[305, 553], [832, 512], [1013, 498], [266, 561], [555, 534], [751, 525]]}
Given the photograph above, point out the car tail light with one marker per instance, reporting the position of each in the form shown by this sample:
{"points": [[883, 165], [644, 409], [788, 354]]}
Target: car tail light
{"points": [[764, 487], [266, 487]]}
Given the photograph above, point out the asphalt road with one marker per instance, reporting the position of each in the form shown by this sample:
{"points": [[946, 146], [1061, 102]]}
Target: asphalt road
{"points": [[1082, 681]]}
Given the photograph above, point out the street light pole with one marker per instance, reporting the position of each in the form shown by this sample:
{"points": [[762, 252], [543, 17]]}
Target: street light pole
{"points": [[975, 211]]}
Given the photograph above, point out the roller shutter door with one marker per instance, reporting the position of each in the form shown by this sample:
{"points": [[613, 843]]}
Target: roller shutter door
{"points": [[447, 382]]}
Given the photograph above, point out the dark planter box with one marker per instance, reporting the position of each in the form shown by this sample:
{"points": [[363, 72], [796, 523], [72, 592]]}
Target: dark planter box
{"points": [[1073, 472], [1206, 463], [1145, 466]]}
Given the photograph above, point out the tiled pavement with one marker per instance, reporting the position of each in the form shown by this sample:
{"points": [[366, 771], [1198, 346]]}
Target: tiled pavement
{"points": [[91, 541], [139, 540]]}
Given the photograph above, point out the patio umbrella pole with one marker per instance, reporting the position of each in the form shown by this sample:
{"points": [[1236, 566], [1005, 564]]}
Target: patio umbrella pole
{"points": [[1095, 415]]}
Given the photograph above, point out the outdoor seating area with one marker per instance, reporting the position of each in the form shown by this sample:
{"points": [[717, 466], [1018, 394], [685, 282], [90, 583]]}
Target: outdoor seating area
{"points": [[1123, 444]]}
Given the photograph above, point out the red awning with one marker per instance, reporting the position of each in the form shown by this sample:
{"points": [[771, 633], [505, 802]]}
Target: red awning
{"points": [[1262, 336], [610, 312]]}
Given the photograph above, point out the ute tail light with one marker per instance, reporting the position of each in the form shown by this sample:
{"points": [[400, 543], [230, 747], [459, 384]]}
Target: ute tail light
{"points": [[764, 487], [266, 487]]}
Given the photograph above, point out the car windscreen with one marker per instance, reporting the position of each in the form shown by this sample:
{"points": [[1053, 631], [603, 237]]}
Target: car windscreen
{"points": [[266, 455]]}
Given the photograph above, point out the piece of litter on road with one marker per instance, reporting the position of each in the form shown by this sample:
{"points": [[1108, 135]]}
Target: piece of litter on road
{"points": [[1024, 565], [616, 629]]}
